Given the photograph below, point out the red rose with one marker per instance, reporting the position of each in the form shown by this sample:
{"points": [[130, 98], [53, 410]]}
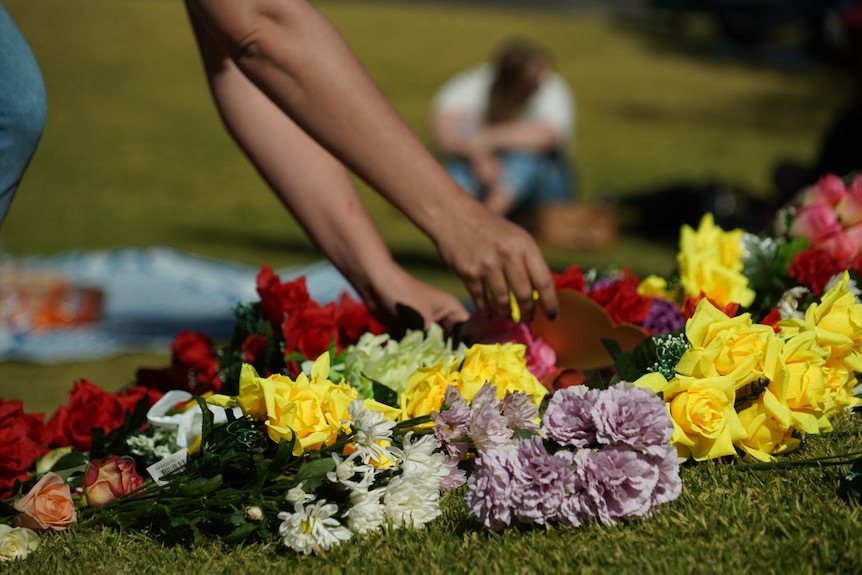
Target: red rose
{"points": [[771, 319], [310, 330], [278, 299], [621, 300], [23, 438], [572, 278], [813, 268], [253, 348], [196, 352], [268, 285], [689, 305], [89, 407], [354, 319], [294, 295]]}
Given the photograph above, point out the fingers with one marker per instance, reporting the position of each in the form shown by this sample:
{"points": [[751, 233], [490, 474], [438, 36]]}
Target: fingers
{"points": [[543, 282]]}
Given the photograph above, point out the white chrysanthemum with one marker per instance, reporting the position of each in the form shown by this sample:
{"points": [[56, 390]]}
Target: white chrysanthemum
{"points": [[420, 461], [407, 503], [346, 470], [366, 512], [312, 528], [788, 305], [371, 430]]}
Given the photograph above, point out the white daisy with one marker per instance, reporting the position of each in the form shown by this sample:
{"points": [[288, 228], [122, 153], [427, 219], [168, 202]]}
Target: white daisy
{"points": [[371, 431], [312, 528], [346, 470]]}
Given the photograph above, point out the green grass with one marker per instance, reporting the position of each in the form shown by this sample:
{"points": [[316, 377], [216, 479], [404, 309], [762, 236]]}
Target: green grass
{"points": [[134, 155], [726, 521]]}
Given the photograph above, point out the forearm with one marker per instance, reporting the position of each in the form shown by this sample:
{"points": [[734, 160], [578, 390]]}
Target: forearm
{"points": [[300, 61], [307, 179]]}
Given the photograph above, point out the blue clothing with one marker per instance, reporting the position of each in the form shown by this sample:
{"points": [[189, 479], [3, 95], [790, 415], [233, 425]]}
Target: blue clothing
{"points": [[534, 179], [23, 108]]}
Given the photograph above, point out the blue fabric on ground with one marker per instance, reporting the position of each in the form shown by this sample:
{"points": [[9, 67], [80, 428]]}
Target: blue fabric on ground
{"points": [[151, 294]]}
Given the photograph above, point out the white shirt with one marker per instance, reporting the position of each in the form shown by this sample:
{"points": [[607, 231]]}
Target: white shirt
{"points": [[468, 93]]}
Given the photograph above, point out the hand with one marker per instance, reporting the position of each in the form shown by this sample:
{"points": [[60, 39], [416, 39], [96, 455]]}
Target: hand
{"points": [[494, 256], [434, 305], [486, 167]]}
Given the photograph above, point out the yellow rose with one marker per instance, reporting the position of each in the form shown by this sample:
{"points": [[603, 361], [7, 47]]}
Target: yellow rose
{"points": [[657, 382], [840, 382], [710, 261], [426, 388], [806, 386], [729, 346], [766, 434], [504, 366], [250, 398], [836, 322], [705, 421]]}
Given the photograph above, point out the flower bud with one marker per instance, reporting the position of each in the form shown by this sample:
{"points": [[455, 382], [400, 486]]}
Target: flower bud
{"points": [[253, 513]]}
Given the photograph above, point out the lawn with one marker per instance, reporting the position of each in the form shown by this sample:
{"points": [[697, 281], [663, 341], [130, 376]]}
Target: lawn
{"points": [[134, 154]]}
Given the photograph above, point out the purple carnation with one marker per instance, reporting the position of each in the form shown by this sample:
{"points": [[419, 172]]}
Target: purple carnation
{"points": [[574, 507], [520, 411], [669, 484], [489, 428], [489, 489], [619, 483], [456, 477], [568, 418], [634, 416], [537, 482], [663, 317], [451, 423]]}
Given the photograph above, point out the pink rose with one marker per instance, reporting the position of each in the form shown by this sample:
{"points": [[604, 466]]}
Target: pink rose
{"points": [[828, 190], [48, 505], [849, 209], [109, 478], [541, 358], [841, 246], [815, 222]]}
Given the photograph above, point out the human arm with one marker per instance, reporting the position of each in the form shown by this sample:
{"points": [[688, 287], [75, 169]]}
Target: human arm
{"points": [[295, 57], [316, 188]]}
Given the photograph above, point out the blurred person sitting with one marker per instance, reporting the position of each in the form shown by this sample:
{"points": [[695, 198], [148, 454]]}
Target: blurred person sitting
{"points": [[502, 128]]}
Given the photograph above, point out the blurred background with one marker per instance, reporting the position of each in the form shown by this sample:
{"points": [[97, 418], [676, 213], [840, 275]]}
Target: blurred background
{"points": [[679, 103]]}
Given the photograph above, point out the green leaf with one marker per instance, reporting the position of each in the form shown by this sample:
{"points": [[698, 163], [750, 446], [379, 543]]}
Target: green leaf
{"points": [[384, 394], [315, 468], [207, 421]]}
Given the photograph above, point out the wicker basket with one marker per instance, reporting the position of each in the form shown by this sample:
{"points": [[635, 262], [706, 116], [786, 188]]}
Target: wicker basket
{"points": [[577, 226]]}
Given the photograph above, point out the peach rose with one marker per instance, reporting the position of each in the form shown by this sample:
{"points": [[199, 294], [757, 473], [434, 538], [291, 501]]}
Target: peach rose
{"points": [[48, 505], [109, 478]]}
